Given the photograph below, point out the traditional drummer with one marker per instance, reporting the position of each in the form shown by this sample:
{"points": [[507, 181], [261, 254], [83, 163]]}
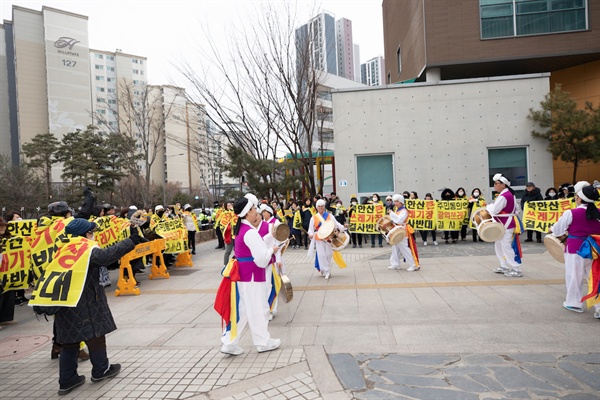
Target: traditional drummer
{"points": [[324, 257], [580, 222], [407, 248], [503, 210]]}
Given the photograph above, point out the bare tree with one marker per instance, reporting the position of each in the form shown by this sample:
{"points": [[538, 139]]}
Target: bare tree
{"points": [[262, 94]]}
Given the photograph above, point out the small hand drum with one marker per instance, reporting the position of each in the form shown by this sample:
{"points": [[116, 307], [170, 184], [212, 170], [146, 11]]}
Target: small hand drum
{"points": [[556, 246], [392, 233], [488, 229]]}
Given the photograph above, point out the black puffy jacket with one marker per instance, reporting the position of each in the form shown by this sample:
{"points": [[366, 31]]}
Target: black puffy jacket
{"points": [[533, 195], [91, 318]]}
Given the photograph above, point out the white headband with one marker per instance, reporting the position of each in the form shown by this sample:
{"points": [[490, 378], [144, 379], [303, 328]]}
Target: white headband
{"points": [[266, 207], [580, 185], [252, 202], [501, 178], [583, 196]]}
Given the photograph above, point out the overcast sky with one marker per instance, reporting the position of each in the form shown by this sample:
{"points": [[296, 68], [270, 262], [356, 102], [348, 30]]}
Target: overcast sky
{"points": [[165, 30]]}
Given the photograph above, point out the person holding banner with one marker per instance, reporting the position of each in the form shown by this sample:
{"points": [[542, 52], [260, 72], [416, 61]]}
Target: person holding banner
{"points": [[191, 224], [253, 254], [407, 248], [532, 193], [324, 256], [503, 210], [424, 233], [295, 224], [376, 200], [580, 222], [90, 319], [354, 236]]}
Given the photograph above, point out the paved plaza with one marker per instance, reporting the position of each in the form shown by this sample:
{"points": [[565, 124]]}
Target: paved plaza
{"points": [[453, 330]]}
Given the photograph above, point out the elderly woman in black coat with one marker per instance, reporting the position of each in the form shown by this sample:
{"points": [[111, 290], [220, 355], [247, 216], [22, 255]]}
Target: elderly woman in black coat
{"points": [[91, 319]]}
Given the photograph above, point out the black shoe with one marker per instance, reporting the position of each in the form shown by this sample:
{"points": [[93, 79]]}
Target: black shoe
{"points": [[353, 246], [219, 247], [194, 252], [19, 301], [528, 240], [380, 245], [68, 387], [112, 371]]}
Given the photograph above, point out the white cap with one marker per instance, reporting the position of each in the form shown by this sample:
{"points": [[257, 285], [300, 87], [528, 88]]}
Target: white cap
{"points": [[320, 203], [158, 208], [132, 207], [187, 206], [398, 197], [580, 185], [501, 178]]}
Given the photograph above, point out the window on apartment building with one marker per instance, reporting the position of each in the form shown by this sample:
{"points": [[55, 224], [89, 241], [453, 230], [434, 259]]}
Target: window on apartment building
{"points": [[136, 92], [100, 56], [99, 89], [110, 79], [135, 82], [99, 66], [375, 174], [100, 100], [136, 71], [99, 78], [141, 62], [111, 58], [506, 18], [111, 69], [112, 123], [510, 162], [135, 61], [101, 111], [141, 72], [110, 90], [112, 101]]}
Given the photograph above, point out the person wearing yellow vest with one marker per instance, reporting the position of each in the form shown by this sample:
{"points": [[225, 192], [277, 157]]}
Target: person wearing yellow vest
{"points": [[399, 216], [217, 219], [90, 320], [191, 224], [324, 257]]}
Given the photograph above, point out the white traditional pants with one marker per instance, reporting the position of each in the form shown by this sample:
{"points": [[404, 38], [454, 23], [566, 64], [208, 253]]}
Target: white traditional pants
{"points": [[253, 310], [325, 255], [577, 269], [505, 252], [401, 251]]}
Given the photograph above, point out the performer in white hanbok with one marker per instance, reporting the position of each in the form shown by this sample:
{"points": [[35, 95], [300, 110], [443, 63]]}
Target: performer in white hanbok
{"points": [[268, 225], [253, 255], [324, 257], [402, 250]]}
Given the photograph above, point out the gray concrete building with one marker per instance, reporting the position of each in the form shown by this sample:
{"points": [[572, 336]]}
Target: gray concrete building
{"points": [[428, 136]]}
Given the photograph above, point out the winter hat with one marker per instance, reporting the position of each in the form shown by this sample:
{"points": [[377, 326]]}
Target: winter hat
{"points": [[398, 197], [79, 227]]}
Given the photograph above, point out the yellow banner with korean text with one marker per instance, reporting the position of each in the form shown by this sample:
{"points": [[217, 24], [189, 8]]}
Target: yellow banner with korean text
{"points": [[175, 235], [422, 214], [226, 218], [540, 215], [15, 261], [62, 282], [110, 230], [24, 227], [43, 246], [452, 214], [364, 218]]}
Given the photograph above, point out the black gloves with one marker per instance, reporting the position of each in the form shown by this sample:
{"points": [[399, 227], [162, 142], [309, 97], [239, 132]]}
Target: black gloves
{"points": [[135, 236]]}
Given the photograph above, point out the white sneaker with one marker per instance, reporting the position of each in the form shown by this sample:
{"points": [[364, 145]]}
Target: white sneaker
{"points": [[513, 273], [231, 349], [391, 267], [597, 313], [272, 344], [434, 243], [327, 275], [501, 270], [424, 243], [413, 268], [270, 316]]}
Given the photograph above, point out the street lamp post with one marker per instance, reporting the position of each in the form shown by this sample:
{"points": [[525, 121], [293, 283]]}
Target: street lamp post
{"points": [[165, 182]]}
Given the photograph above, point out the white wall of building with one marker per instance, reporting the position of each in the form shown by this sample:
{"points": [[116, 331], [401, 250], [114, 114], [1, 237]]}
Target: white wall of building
{"points": [[439, 134], [5, 148]]}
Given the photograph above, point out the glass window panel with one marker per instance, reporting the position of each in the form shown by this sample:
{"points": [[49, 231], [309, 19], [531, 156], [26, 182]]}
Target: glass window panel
{"points": [[375, 173], [497, 27], [511, 162], [532, 6], [496, 11], [567, 21], [532, 24], [566, 4], [492, 2]]}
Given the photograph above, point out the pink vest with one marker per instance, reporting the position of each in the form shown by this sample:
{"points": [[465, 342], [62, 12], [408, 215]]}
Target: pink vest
{"points": [[579, 230], [509, 208], [249, 271], [265, 227]]}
